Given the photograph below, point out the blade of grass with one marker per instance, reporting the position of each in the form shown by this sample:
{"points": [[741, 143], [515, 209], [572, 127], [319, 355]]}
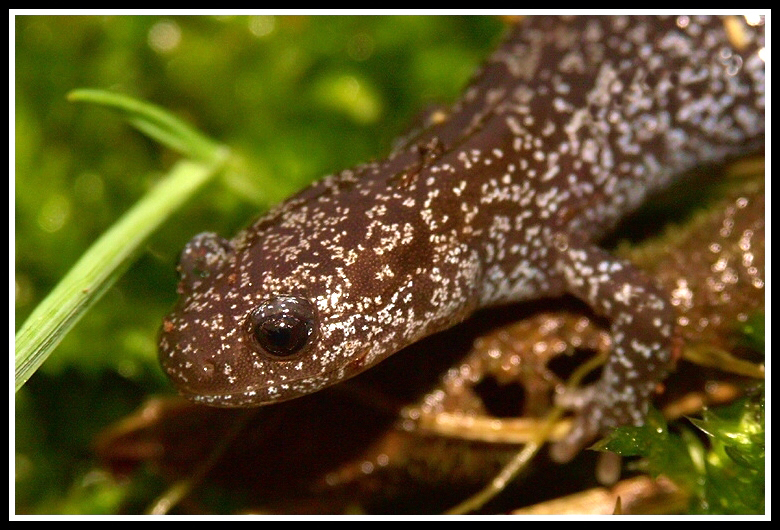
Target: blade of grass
{"points": [[155, 122], [110, 256]]}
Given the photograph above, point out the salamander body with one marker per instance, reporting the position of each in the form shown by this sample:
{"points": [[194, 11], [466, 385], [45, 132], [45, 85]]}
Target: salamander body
{"points": [[569, 126]]}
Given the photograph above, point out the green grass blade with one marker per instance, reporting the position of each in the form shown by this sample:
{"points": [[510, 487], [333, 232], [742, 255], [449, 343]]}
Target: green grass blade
{"points": [[110, 256], [103, 263], [155, 122]]}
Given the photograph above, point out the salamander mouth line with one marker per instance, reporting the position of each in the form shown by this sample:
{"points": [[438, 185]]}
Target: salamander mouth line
{"points": [[249, 397]]}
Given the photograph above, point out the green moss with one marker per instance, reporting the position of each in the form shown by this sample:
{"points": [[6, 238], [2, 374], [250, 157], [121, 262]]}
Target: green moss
{"points": [[724, 477]]}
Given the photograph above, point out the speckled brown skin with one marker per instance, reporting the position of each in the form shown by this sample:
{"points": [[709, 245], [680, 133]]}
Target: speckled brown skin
{"points": [[569, 126], [712, 266], [714, 269]]}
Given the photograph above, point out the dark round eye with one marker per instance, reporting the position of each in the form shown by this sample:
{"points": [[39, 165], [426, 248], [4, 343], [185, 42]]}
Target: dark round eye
{"points": [[284, 326]]}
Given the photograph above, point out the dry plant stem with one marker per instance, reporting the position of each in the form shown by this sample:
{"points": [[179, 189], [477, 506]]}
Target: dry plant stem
{"points": [[510, 471]]}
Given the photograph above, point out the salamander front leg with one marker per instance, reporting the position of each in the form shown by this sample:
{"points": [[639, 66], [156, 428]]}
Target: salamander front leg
{"points": [[642, 323]]}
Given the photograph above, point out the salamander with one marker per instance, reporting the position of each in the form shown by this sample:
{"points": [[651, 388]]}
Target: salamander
{"points": [[569, 126]]}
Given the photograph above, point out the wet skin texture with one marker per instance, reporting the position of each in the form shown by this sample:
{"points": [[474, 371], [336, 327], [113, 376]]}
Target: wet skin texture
{"points": [[568, 127]]}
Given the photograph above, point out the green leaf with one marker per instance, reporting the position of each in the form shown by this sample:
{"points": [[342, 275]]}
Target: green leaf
{"points": [[663, 452], [735, 465], [726, 478]]}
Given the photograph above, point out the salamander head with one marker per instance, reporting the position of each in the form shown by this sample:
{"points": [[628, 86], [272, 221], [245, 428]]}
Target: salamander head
{"points": [[254, 326], [332, 281], [311, 294]]}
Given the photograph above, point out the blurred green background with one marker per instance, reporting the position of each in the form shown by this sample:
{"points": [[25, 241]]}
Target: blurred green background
{"points": [[294, 98]]}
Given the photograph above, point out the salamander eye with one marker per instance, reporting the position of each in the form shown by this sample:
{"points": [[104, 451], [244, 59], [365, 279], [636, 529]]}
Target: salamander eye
{"points": [[284, 326]]}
